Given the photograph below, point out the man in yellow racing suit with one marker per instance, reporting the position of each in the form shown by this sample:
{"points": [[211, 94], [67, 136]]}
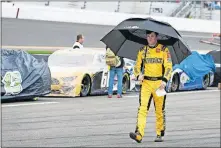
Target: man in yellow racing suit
{"points": [[157, 71]]}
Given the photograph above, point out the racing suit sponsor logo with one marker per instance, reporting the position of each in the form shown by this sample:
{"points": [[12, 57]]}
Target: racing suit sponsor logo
{"points": [[12, 82], [168, 72], [169, 60], [136, 70], [154, 60], [158, 50], [169, 57]]}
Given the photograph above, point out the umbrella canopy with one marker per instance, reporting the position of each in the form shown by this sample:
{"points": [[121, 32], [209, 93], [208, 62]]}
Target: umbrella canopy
{"points": [[130, 35]]}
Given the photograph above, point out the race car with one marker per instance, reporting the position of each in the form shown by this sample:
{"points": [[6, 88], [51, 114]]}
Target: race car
{"points": [[23, 76], [180, 81], [82, 72]]}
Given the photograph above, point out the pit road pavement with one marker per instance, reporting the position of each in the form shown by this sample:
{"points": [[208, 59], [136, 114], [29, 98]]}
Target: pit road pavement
{"points": [[192, 119]]}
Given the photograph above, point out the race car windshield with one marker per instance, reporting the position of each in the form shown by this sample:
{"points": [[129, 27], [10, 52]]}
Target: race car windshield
{"points": [[76, 60]]}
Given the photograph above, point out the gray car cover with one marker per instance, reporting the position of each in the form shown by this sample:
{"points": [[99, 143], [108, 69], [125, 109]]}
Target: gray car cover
{"points": [[23, 76]]}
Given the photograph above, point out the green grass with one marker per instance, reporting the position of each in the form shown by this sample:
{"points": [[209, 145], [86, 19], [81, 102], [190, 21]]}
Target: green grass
{"points": [[39, 51]]}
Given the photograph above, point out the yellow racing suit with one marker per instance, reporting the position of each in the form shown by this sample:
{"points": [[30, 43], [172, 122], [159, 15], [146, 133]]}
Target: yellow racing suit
{"points": [[157, 68]]}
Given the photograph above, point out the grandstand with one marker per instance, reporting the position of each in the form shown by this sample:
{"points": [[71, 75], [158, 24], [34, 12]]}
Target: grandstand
{"points": [[204, 10], [152, 8], [187, 9], [216, 15]]}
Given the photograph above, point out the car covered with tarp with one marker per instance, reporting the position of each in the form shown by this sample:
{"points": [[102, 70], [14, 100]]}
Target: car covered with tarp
{"points": [[23, 76], [195, 72]]}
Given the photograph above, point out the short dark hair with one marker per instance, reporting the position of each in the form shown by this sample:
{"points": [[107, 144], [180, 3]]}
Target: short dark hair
{"points": [[79, 36], [149, 32]]}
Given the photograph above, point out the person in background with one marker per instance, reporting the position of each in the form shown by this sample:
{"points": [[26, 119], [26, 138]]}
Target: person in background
{"points": [[79, 43], [156, 62], [116, 65]]}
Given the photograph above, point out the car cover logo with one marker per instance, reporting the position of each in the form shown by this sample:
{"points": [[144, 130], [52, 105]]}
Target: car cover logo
{"points": [[184, 78], [12, 83], [131, 27]]}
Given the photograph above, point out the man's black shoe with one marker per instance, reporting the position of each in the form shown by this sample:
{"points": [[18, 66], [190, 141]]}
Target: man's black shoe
{"points": [[136, 136]]}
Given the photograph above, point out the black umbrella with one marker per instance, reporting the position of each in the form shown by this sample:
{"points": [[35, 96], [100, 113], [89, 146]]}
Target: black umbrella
{"points": [[130, 35]]}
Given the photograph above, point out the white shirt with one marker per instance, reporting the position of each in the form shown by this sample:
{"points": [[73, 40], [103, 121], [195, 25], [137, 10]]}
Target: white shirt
{"points": [[77, 45]]}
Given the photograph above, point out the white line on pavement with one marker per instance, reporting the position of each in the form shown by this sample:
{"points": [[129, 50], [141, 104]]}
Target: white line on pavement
{"points": [[180, 93], [130, 96], [28, 104], [193, 92]]}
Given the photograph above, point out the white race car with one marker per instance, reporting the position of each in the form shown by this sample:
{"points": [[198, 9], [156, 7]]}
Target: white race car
{"points": [[82, 72]]}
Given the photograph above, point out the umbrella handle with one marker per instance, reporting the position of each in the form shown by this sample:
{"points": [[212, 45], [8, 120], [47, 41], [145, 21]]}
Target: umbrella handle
{"points": [[144, 61]]}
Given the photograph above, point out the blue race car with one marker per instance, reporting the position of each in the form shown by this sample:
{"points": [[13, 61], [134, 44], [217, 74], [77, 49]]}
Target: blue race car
{"points": [[194, 72], [180, 81]]}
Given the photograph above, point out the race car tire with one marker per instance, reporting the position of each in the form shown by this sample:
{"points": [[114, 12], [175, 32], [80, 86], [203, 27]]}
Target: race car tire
{"points": [[175, 83], [27, 99], [85, 86], [126, 83], [206, 81], [35, 98]]}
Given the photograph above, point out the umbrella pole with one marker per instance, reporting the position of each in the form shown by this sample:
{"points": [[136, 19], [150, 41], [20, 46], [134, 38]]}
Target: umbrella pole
{"points": [[144, 61]]}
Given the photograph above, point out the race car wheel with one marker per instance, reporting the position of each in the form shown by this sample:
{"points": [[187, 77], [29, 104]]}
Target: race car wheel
{"points": [[85, 86], [126, 83], [175, 83], [35, 98], [206, 81]]}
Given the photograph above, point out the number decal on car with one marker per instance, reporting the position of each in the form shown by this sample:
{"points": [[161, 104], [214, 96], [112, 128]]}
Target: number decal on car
{"points": [[12, 82]]}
